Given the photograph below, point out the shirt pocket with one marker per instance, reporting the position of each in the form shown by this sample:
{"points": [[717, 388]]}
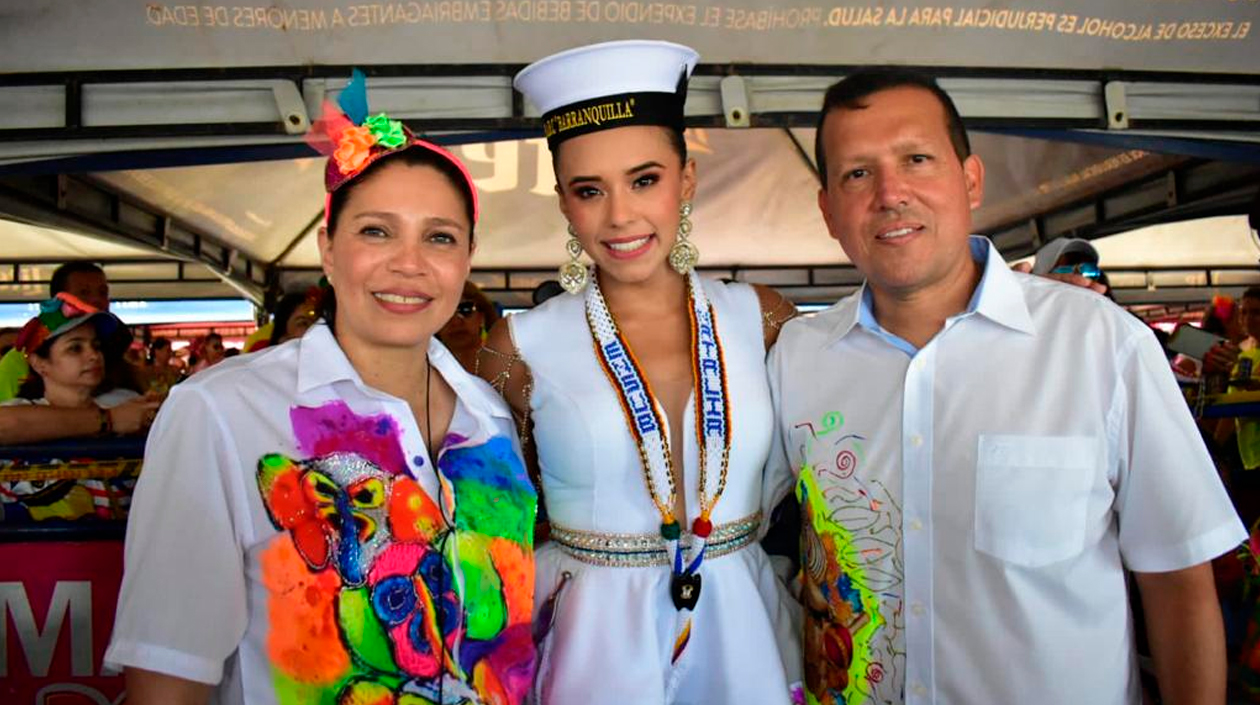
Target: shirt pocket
{"points": [[1032, 496]]}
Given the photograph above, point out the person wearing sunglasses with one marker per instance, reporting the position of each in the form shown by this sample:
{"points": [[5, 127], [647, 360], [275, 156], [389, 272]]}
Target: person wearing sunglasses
{"points": [[1089, 270], [1067, 255], [466, 330]]}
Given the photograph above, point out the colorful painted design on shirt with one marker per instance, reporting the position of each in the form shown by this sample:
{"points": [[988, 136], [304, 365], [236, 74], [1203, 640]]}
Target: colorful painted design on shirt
{"points": [[373, 599], [851, 572]]}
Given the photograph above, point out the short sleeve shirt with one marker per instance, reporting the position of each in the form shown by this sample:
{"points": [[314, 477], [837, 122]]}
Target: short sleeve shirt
{"points": [[290, 541], [970, 507]]}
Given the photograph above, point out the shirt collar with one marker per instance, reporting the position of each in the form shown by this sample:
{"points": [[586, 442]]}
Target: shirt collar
{"points": [[322, 363], [998, 297]]}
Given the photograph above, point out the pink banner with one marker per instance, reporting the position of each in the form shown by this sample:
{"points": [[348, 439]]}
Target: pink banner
{"points": [[58, 603]]}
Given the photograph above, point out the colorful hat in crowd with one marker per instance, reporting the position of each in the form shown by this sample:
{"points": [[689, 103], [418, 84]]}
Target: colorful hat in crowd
{"points": [[352, 140], [609, 85], [65, 312]]}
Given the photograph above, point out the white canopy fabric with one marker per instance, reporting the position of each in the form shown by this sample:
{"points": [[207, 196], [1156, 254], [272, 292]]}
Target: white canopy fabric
{"points": [[756, 217], [1202, 243], [756, 204], [23, 241], [107, 96]]}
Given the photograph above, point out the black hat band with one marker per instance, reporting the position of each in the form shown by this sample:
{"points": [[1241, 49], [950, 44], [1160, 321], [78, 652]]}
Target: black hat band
{"points": [[608, 112]]}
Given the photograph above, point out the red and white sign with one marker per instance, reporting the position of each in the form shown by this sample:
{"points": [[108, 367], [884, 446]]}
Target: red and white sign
{"points": [[57, 600]]}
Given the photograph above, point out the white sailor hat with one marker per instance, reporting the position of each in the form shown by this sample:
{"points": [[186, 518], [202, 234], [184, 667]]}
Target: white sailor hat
{"points": [[608, 85]]}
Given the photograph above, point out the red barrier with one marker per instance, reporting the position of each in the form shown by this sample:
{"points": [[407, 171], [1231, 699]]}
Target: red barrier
{"points": [[57, 600]]}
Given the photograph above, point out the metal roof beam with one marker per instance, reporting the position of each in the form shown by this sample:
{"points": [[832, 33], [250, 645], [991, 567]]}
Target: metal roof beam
{"points": [[1197, 189], [80, 204], [70, 114]]}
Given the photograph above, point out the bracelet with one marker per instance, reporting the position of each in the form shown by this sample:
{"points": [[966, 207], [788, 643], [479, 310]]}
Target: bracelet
{"points": [[106, 425]]}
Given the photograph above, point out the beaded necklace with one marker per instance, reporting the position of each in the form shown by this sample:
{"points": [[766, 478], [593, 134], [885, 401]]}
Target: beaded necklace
{"points": [[643, 416]]}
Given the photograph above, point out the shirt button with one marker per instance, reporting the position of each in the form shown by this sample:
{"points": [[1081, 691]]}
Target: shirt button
{"points": [[916, 525], [919, 690], [916, 440], [918, 609]]}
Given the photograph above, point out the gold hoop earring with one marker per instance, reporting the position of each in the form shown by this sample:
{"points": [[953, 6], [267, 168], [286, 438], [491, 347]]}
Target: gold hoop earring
{"points": [[683, 256], [573, 274]]}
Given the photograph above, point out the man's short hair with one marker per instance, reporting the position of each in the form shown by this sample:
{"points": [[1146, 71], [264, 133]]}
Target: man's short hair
{"points": [[848, 92], [61, 277], [1252, 293]]}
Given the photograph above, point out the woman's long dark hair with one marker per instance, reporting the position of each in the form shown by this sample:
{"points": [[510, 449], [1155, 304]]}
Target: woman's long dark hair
{"points": [[288, 304], [412, 156]]}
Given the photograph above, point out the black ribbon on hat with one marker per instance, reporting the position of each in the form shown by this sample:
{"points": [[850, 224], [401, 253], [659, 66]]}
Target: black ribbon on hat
{"points": [[619, 110]]}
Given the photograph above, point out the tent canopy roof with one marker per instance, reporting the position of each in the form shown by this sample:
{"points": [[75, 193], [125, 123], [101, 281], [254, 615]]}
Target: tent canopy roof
{"points": [[756, 217], [177, 129]]}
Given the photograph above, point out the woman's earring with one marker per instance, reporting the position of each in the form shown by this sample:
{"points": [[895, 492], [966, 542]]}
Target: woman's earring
{"points": [[573, 274], [683, 256]]}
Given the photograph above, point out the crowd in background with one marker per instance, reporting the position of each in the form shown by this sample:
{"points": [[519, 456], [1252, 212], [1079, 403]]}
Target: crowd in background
{"points": [[123, 375]]}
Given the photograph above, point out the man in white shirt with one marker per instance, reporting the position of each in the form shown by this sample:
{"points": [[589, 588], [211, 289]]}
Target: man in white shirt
{"points": [[982, 455]]}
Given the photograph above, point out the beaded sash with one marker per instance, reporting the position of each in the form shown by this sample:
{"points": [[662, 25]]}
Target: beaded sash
{"points": [[644, 550]]}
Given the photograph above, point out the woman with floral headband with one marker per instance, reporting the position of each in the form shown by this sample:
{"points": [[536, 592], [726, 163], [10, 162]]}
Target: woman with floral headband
{"points": [[650, 410], [346, 518]]}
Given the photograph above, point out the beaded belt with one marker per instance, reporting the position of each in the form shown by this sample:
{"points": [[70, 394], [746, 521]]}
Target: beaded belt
{"points": [[642, 550]]}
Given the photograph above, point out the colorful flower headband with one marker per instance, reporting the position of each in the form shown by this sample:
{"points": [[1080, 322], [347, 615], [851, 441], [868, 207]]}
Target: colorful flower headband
{"points": [[353, 140], [61, 314]]}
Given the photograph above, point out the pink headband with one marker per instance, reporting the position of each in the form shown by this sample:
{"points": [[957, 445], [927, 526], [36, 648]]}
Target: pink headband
{"points": [[353, 141]]}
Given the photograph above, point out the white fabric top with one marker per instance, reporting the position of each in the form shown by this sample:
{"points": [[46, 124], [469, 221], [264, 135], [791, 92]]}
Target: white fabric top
{"points": [[108, 400], [614, 626], [970, 507], [307, 576]]}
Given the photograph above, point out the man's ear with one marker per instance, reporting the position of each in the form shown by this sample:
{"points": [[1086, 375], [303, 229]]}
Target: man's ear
{"points": [[825, 207], [973, 172]]}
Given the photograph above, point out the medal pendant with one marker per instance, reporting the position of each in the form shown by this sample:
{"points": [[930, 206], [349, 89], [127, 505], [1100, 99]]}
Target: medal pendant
{"points": [[685, 590]]}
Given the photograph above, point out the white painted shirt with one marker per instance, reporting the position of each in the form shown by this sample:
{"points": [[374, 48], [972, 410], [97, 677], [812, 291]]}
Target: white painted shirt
{"points": [[289, 542], [970, 508]]}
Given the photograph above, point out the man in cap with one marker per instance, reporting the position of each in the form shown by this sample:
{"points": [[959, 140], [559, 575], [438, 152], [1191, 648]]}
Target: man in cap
{"points": [[1065, 254], [981, 455]]}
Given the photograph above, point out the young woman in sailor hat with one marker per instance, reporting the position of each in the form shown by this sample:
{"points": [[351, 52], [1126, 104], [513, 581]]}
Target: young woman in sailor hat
{"points": [[645, 393]]}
